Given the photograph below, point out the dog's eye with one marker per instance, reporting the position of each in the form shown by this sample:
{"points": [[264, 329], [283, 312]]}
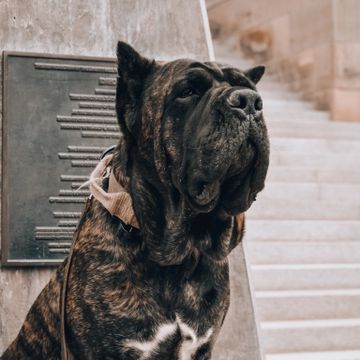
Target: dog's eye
{"points": [[186, 93]]}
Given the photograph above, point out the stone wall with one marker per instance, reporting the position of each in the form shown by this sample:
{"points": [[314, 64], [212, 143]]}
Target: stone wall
{"points": [[312, 45], [346, 89], [293, 38]]}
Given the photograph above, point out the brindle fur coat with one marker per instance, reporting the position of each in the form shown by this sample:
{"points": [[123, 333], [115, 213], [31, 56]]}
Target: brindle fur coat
{"points": [[193, 165]]}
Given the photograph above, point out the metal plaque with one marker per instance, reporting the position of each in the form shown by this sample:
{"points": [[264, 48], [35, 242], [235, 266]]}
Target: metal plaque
{"points": [[58, 117]]}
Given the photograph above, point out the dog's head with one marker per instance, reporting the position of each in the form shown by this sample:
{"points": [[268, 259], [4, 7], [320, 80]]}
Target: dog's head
{"points": [[194, 135]]}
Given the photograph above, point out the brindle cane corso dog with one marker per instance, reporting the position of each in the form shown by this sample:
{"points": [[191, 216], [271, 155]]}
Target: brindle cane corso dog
{"points": [[193, 156]]}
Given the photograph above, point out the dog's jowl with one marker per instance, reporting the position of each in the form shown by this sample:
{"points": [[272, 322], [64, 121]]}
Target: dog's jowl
{"points": [[148, 277]]}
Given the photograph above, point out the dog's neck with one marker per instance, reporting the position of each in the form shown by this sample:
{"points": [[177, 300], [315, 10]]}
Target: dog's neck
{"points": [[171, 230]]}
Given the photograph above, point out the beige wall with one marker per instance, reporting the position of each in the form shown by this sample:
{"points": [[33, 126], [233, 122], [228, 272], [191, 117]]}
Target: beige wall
{"points": [[346, 90], [312, 45], [294, 38]]}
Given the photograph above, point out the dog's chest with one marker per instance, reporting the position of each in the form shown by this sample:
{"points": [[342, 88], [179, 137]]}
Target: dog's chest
{"points": [[176, 340], [149, 312], [185, 318]]}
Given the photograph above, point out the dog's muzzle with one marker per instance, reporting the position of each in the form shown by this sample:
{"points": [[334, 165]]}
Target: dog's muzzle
{"points": [[231, 153]]}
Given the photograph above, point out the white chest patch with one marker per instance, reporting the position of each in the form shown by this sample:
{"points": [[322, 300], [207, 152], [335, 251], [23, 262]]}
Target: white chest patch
{"points": [[147, 347], [190, 342]]}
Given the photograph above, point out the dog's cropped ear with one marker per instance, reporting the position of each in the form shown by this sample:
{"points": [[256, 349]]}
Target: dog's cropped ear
{"points": [[255, 73], [133, 70]]}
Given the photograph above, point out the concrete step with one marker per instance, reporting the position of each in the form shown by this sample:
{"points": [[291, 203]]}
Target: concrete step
{"points": [[268, 83], [299, 127], [293, 113], [269, 208], [311, 146], [286, 104], [285, 305], [311, 335], [283, 173], [303, 252], [302, 230], [300, 121], [278, 94], [305, 277], [307, 201], [222, 56], [312, 191], [289, 131], [318, 355], [340, 161]]}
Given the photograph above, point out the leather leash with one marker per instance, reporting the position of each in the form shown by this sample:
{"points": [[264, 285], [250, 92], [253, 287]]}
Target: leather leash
{"points": [[118, 203], [65, 352]]}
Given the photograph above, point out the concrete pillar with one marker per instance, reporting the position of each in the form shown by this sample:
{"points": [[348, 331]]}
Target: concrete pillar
{"points": [[161, 29], [346, 88], [239, 339]]}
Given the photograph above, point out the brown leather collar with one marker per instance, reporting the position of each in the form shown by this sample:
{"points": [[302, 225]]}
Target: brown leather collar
{"points": [[116, 200]]}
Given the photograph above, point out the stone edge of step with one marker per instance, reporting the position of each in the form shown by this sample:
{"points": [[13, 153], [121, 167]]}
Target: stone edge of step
{"points": [[310, 324], [323, 355]]}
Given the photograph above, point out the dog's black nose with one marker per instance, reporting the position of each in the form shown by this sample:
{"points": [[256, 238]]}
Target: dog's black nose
{"points": [[247, 100]]}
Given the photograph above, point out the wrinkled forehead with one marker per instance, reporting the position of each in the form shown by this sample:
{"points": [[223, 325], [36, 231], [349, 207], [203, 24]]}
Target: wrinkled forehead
{"points": [[185, 69]]}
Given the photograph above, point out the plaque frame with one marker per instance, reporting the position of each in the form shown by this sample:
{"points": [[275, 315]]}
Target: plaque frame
{"points": [[6, 259]]}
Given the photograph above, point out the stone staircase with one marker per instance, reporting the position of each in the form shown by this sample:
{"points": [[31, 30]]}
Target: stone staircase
{"points": [[303, 233]]}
